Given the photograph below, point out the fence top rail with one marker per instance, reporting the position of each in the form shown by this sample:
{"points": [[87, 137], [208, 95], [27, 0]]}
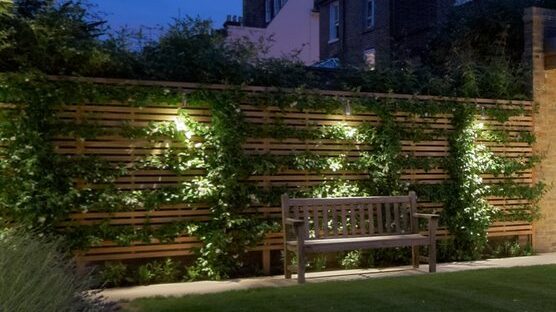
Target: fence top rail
{"points": [[259, 89]]}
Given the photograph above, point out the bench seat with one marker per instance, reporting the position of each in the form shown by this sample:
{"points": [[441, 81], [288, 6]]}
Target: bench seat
{"points": [[353, 243]]}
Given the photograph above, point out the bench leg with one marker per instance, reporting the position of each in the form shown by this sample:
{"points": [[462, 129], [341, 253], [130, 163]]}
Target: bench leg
{"points": [[415, 256], [432, 257], [266, 262], [287, 260], [300, 264]]}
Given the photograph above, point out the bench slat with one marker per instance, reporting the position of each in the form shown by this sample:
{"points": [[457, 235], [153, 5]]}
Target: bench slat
{"points": [[353, 220], [371, 220], [325, 221], [404, 218], [296, 212], [362, 229], [334, 221], [379, 221], [388, 222], [353, 243], [316, 224], [413, 210], [397, 218], [344, 221], [306, 218]]}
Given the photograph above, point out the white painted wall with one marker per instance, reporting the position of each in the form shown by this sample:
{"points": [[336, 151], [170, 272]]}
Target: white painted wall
{"points": [[295, 30]]}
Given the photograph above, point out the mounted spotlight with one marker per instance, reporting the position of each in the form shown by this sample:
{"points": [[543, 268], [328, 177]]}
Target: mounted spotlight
{"points": [[347, 108]]}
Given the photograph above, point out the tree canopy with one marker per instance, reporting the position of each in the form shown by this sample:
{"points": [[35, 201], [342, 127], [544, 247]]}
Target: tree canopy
{"points": [[482, 38]]}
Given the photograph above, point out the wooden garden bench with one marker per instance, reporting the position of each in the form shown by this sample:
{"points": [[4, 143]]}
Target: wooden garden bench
{"points": [[339, 224]]}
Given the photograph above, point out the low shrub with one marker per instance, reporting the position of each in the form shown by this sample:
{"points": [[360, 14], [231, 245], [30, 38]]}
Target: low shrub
{"points": [[319, 263], [36, 276], [116, 274], [166, 271], [144, 275], [507, 248], [113, 274], [351, 260]]}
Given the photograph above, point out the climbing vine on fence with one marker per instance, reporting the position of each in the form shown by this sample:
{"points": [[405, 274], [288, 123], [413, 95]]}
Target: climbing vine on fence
{"points": [[41, 188], [468, 215]]}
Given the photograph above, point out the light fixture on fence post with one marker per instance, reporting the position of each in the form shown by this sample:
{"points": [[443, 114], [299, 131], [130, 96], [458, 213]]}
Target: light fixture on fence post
{"points": [[183, 100], [347, 108]]}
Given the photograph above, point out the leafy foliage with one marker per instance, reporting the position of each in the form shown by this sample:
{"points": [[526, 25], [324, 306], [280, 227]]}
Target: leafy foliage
{"points": [[55, 37], [36, 187], [113, 274], [351, 260], [230, 232], [64, 37], [468, 215]]}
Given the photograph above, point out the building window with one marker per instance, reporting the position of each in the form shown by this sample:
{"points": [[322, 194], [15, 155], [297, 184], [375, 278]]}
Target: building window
{"points": [[272, 8], [277, 6], [369, 57], [267, 11], [334, 20], [370, 13]]}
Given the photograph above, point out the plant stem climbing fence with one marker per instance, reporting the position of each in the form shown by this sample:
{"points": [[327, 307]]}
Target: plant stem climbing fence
{"points": [[141, 169]]}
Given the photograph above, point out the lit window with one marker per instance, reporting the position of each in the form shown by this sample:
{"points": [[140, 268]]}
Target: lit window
{"points": [[370, 14], [369, 56], [334, 20], [268, 11]]}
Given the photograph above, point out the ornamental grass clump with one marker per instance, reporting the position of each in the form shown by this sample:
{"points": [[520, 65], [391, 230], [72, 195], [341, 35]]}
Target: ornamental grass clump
{"points": [[35, 276]]}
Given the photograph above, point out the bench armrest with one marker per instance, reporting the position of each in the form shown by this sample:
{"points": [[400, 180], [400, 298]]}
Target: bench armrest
{"points": [[298, 226], [433, 223], [294, 222]]}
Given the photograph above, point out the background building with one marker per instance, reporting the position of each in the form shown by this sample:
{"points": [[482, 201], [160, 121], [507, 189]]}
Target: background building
{"points": [[287, 28], [369, 32]]}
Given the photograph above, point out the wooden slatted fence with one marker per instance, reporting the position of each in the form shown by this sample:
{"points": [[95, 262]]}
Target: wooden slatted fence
{"points": [[118, 149]]}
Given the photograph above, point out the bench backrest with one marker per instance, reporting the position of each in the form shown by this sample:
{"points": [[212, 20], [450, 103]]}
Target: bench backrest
{"points": [[353, 216]]}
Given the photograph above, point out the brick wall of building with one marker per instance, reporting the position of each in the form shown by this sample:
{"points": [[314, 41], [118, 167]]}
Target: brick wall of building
{"points": [[399, 24], [544, 93], [355, 38], [358, 38]]}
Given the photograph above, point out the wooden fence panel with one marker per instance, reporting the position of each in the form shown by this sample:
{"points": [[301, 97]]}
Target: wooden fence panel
{"points": [[121, 150]]}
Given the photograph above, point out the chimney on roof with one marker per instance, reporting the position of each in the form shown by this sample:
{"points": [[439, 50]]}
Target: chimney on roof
{"points": [[233, 20]]}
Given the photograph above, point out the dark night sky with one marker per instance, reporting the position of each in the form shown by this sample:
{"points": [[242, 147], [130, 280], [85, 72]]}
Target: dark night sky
{"points": [[150, 13]]}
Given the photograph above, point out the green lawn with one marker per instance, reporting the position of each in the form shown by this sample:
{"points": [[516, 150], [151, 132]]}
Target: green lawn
{"points": [[516, 289]]}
